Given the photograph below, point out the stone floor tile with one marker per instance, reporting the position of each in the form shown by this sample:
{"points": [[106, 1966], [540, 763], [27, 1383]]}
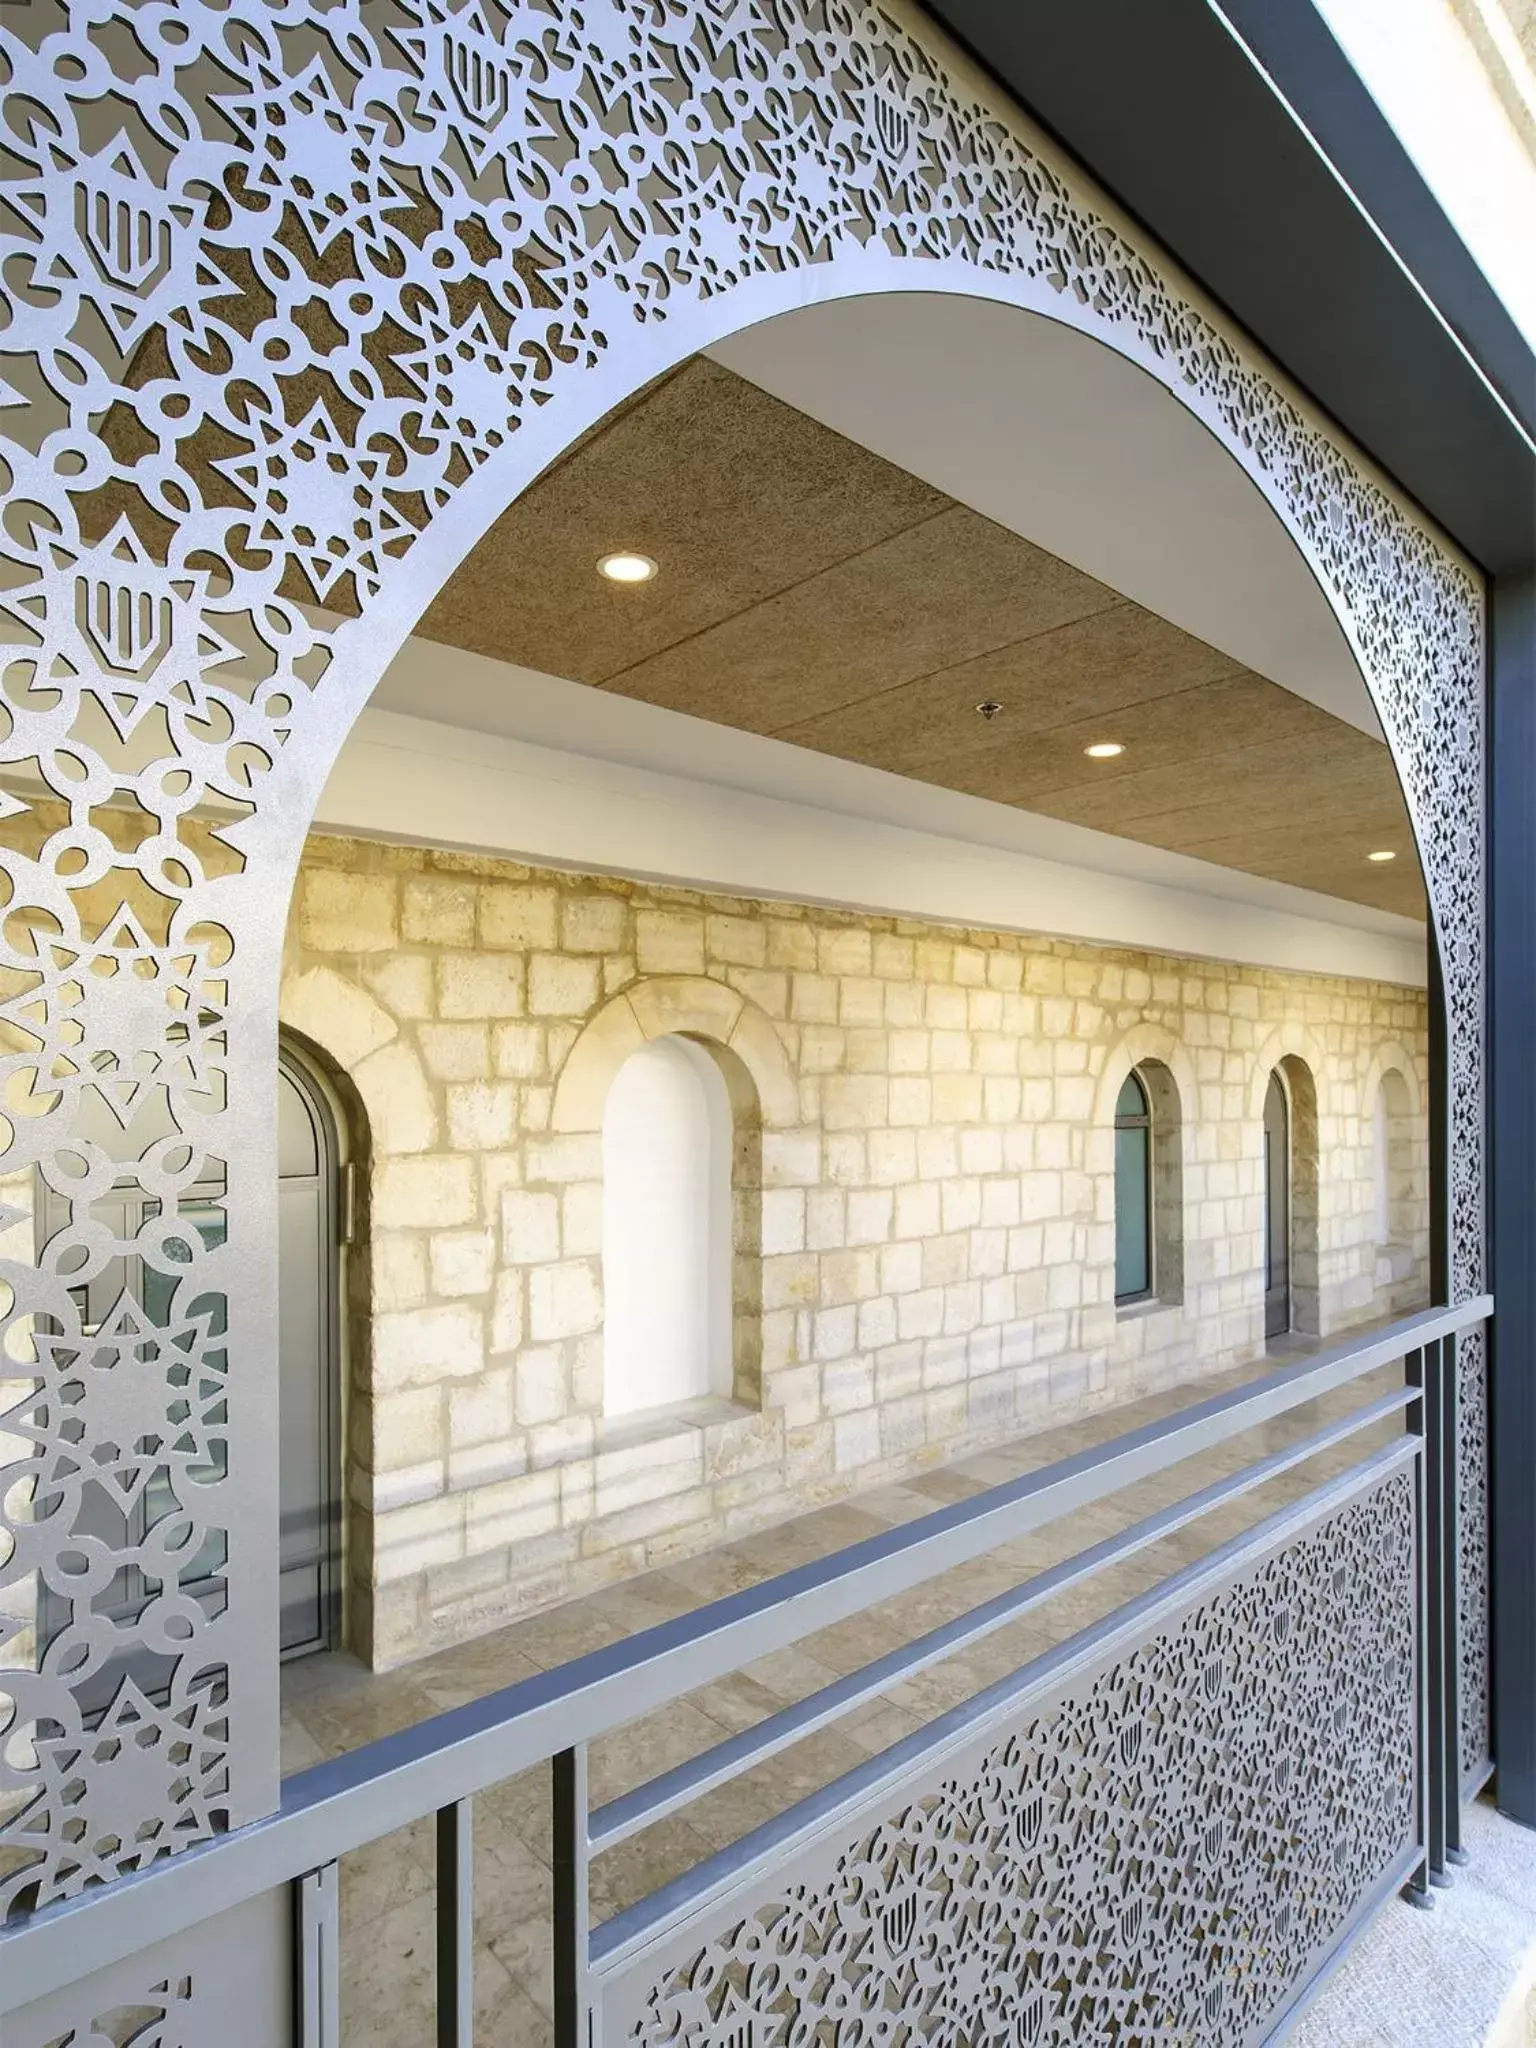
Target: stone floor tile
{"points": [[519, 1808], [298, 1748], [388, 1986], [565, 1633], [449, 1685], [644, 1749], [878, 1726], [512, 1882], [731, 1811], [526, 1953], [736, 1702], [629, 1872], [790, 1674], [384, 1874]]}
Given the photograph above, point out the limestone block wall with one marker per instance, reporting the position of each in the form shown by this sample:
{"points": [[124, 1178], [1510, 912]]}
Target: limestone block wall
{"points": [[924, 1235]]}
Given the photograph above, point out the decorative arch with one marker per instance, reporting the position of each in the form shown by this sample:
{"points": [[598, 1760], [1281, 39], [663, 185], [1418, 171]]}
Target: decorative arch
{"points": [[1291, 1042], [1393, 1057], [670, 1215], [688, 1006], [343, 1299], [224, 516], [1296, 1054], [1145, 1042]]}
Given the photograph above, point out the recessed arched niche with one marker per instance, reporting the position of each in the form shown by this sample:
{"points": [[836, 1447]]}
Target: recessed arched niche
{"points": [[667, 1229]]}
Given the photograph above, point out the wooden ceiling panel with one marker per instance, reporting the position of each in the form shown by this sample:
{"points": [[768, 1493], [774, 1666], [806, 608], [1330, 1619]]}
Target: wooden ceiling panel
{"points": [[1091, 668], [1312, 859], [1234, 717], [1013, 761], [1367, 813], [1243, 783], [739, 496], [948, 589], [812, 591]]}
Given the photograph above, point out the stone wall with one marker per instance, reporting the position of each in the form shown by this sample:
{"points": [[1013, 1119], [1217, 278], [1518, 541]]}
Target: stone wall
{"points": [[926, 1157]]}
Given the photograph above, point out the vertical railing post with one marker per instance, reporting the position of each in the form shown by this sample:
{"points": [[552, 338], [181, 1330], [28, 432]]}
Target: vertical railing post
{"points": [[1434, 1547], [1450, 1534], [456, 1925], [571, 1921], [1433, 1417], [1417, 1890], [317, 1912]]}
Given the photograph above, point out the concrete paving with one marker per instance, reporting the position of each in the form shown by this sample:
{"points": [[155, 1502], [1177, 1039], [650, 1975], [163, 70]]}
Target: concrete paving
{"points": [[1461, 1976]]}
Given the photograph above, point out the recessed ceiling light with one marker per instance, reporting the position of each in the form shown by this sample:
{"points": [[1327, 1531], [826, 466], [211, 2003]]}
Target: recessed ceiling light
{"points": [[1384, 854], [988, 709], [624, 567], [1104, 750]]}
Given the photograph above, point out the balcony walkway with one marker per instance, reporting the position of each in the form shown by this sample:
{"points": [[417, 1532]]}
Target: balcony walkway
{"points": [[333, 1703]]}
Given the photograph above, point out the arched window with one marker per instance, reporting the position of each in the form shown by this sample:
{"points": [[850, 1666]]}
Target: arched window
{"points": [[1134, 1240], [667, 1250]]}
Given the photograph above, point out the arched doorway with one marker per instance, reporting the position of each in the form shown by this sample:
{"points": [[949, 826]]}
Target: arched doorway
{"points": [[309, 1223], [1277, 1208]]}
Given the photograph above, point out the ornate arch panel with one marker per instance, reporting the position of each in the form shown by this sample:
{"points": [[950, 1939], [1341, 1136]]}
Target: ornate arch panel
{"points": [[296, 298]]}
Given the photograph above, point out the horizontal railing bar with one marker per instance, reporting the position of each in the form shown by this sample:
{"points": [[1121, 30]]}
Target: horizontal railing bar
{"points": [[910, 1764], [338, 1806], [671, 1790]]}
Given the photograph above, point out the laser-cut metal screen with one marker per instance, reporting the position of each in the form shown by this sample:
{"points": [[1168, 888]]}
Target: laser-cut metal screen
{"points": [[296, 298]]}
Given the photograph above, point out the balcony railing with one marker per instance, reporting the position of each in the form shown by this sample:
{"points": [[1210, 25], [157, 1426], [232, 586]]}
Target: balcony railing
{"points": [[1165, 1827]]}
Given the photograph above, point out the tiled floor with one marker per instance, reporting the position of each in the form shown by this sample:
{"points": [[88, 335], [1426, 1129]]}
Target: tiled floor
{"points": [[333, 1704]]}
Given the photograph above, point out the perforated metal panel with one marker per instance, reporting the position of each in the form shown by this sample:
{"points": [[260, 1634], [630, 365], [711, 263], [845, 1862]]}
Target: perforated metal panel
{"points": [[295, 300], [1161, 1848]]}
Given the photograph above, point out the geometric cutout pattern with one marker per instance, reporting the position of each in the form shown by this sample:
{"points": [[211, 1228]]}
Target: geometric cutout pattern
{"points": [[220, 1983], [1164, 1855], [161, 2021], [125, 1785], [1474, 1649], [278, 282]]}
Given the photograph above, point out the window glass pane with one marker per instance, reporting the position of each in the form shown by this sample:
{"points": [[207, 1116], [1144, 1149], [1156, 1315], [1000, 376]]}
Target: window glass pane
{"points": [[1133, 1235], [1132, 1100]]}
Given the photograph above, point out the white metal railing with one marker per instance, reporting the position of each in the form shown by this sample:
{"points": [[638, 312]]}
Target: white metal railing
{"points": [[607, 1978]]}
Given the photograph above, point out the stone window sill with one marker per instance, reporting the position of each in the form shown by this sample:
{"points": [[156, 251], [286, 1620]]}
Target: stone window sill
{"points": [[1394, 1262], [658, 1425], [640, 1459], [1137, 1311]]}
